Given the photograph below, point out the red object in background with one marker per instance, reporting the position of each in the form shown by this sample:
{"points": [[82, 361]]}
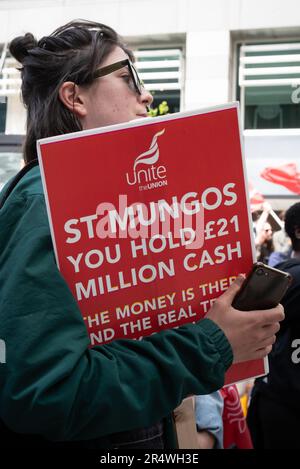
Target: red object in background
{"points": [[236, 432], [256, 198], [286, 175]]}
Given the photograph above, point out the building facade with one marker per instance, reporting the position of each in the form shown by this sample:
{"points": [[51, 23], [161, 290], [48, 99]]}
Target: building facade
{"points": [[192, 54]]}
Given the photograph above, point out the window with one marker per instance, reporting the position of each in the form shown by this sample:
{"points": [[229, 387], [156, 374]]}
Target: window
{"points": [[269, 85], [161, 72], [9, 82]]}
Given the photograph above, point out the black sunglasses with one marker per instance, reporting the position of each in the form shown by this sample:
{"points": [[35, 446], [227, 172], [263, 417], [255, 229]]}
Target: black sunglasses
{"points": [[137, 84]]}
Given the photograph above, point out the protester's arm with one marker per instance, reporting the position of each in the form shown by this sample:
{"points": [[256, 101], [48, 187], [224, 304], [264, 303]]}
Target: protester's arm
{"points": [[260, 235], [206, 440], [208, 415], [53, 385]]}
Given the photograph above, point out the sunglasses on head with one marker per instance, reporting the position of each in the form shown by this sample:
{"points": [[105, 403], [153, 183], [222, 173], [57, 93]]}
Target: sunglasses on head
{"points": [[136, 82]]}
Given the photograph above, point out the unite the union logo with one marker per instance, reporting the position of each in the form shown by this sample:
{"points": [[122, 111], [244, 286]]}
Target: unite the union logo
{"points": [[152, 176]]}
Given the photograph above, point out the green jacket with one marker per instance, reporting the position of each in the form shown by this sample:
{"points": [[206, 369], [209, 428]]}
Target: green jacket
{"points": [[52, 384]]}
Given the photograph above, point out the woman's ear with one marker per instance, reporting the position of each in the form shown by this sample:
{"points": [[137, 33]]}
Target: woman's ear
{"points": [[297, 232], [70, 95]]}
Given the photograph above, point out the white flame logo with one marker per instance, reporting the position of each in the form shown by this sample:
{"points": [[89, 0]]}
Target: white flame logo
{"points": [[151, 156]]}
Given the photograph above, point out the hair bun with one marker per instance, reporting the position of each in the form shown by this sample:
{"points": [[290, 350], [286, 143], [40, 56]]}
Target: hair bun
{"points": [[21, 45]]}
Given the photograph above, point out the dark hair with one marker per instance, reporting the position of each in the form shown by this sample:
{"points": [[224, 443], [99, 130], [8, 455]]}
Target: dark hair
{"points": [[292, 221], [71, 53]]}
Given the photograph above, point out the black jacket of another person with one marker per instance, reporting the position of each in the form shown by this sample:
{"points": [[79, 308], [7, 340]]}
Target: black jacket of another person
{"points": [[283, 381]]}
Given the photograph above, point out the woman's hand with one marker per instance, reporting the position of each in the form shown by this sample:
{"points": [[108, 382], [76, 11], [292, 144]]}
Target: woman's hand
{"points": [[250, 333]]}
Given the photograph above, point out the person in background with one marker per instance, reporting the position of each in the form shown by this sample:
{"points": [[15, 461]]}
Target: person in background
{"points": [[274, 411], [282, 245], [282, 242], [209, 420], [259, 219], [263, 234], [221, 423], [264, 243]]}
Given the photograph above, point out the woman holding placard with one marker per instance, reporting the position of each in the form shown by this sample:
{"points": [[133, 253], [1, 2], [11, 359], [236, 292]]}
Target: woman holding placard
{"points": [[54, 389]]}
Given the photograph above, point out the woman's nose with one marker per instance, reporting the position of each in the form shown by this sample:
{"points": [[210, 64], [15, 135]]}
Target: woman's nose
{"points": [[146, 97]]}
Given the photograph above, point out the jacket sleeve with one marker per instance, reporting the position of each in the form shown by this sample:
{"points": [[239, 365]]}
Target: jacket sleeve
{"points": [[208, 415], [52, 384]]}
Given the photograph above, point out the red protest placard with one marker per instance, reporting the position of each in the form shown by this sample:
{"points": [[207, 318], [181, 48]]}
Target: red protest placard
{"points": [[150, 221]]}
